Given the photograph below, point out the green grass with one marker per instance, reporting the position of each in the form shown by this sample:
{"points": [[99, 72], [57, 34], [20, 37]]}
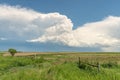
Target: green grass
{"points": [[60, 67]]}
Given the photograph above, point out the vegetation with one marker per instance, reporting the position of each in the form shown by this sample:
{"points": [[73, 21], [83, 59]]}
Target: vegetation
{"points": [[12, 51], [60, 66]]}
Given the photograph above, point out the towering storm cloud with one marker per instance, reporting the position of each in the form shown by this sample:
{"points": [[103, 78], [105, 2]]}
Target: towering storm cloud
{"points": [[104, 33], [22, 23], [25, 24]]}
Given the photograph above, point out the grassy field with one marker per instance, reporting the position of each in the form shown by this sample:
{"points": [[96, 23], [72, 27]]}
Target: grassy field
{"points": [[60, 66]]}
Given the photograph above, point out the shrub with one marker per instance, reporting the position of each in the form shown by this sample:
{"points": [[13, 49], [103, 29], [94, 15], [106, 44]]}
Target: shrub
{"points": [[39, 60], [84, 66], [109, 65]]}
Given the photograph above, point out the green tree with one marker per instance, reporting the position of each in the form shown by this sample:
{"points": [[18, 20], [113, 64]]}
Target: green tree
{"points": [[12, 51]]}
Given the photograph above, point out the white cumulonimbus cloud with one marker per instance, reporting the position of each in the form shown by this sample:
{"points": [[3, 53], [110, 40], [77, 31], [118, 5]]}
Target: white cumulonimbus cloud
{"points": [[104, 33], [22, 23], [32, 26]]}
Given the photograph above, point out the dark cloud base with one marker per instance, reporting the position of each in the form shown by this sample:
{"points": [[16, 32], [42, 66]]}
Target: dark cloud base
{"points": [[43, 47]]}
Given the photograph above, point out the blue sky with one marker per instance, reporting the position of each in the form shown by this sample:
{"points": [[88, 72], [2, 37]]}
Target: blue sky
{"points": [[80, 11], [78, 20]]}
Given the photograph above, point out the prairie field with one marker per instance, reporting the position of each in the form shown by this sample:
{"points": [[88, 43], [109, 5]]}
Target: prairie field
{"points": [[60, 66]]}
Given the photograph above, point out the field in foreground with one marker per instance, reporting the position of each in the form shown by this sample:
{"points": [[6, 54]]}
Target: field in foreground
{"points": [[60, 66]]}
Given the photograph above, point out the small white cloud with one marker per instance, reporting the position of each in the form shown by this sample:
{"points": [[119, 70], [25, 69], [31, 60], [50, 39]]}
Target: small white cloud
{"points": [[3, 38]]}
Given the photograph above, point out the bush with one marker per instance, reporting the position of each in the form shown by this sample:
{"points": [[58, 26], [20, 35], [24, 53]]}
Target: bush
{"points": [[18, 63], [110, 65], [84, 66], [39, 60]]}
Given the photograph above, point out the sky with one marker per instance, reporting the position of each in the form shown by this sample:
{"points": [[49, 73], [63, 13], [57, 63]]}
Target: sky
{"points": [[60, 25]]}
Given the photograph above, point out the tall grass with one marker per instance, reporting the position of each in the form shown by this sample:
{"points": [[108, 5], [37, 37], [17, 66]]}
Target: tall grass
{"points": [[41, 68], [66, 71], [7, 63]]}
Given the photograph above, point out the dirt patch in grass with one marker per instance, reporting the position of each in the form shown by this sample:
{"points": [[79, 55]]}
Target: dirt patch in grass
{"points": [[26, 53]]}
